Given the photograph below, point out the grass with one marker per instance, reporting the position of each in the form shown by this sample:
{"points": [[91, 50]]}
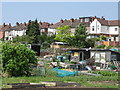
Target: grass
{"points": [[84, 80]]}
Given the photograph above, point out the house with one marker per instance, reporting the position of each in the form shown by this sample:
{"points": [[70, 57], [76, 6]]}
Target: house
{"points": [[44, 27], [109, 28], [72, 23], [100, 55], [5, 31], [9, 32]]}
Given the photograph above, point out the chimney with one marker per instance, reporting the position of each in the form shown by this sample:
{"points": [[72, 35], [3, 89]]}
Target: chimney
{"points": [[17, 23], [61, 21], [40, 23], [103, 18], [3, 25], [9, 25], [95, 17], [71, 20], [25, 23]]}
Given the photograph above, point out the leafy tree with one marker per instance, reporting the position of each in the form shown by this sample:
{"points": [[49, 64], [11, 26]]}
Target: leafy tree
{"points": [[17, 59], [103, 37], [33, 31], [80, 36], [46, 40], [63, 33], [23, 39], [101, 46], [90, 42]]}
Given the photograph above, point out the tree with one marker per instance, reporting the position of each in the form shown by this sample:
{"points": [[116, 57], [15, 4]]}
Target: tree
{"points": [[46, 40], [33, 31], [63, 33], [17, 59], [79, 39]]}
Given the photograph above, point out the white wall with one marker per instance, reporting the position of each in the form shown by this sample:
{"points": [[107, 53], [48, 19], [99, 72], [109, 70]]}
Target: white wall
{"points": [[97, 27], [51, 31], [105, 29], [99, 56], [112, 30]]}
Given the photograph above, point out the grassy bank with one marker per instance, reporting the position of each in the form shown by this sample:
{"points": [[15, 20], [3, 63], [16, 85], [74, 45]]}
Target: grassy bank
{"points": [[84, 80]]}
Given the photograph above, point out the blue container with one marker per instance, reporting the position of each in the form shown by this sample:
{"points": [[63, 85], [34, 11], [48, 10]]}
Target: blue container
{"points": [[60, 58]]}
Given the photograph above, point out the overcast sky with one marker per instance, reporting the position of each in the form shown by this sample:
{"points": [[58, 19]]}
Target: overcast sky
{"points": [[52, 12]]}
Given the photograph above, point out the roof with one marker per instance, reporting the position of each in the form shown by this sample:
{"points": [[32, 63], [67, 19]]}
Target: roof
{"points": [[95, 49], [114, 22], [44, 25], [5, 28], [59, 43], [19, 27], [109, 22], [70, 23]]}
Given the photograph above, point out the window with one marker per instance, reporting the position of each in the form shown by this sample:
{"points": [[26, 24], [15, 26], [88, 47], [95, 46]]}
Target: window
{"points": [[81, 20], [86, 19], [93, 28], [115, 29], [98, 27]]}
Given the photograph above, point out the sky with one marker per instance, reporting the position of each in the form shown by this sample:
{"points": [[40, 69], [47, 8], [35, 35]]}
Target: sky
{"points": [[53, 12]]}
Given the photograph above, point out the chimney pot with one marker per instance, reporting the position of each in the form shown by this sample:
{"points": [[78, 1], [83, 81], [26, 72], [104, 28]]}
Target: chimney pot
{"points": [[61, 21], [103, 18], [17, 23], [3, 25], [71, 20]]}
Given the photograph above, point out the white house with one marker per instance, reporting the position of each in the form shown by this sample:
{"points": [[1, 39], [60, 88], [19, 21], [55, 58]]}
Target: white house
{"points": [[109, 28]]}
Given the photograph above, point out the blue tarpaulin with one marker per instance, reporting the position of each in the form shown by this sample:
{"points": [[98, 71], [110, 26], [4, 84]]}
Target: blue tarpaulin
{"points": [[62, 73]]}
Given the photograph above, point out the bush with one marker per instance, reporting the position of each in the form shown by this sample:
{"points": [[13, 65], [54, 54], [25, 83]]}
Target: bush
{"points": [[101, 46], [17, 59], [110, 46]]}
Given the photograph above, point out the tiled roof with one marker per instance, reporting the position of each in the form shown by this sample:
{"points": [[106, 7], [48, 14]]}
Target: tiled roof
{"points": [[69, 23], [103, 22], [110, 22], [5, 28], [114, 22], [44, 25], [19, 27]]}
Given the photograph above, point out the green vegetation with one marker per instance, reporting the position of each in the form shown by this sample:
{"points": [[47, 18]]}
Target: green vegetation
{"points": [[17, 59], [100, 46], [80, 36], [46, 40], [63, 34], [33, 31], [84, 80], [105, 73]]}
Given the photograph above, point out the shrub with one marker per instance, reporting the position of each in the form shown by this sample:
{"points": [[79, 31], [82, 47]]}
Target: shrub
{"points": [[17, 59], [101, 46], [110, 46]]}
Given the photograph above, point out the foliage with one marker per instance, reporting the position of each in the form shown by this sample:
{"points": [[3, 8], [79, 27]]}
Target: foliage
{"points": [[17, 59], [80, 36], [33, 31], [46, 40], [103, 37], [23, 39], [63, 33], [90, 42], [110, 46], [100, 46], [84, 80], [105, 73]]}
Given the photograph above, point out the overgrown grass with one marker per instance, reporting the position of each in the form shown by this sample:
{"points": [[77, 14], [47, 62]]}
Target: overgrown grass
{"points": [[84, 80]]}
